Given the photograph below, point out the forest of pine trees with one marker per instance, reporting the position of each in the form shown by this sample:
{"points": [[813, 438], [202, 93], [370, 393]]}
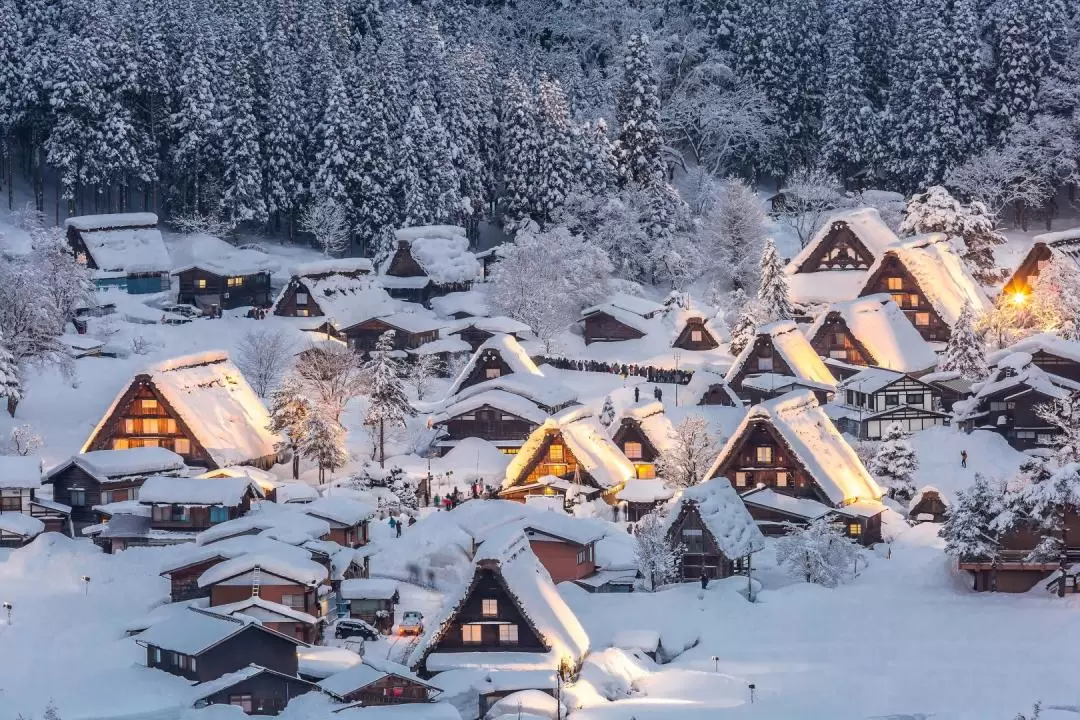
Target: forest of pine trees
{"points": [[244, 112]]}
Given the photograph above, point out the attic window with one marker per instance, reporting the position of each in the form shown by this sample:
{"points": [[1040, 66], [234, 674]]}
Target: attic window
{"points": [[632, 450], [489, 607], [781, 479], [301, 298], [201, 283], [492, 373], [764, 454], [895, 283], [148, 406], [854, 529], [695, 336], [913, 300], [922, 319], [472, 634], [555, 453]]}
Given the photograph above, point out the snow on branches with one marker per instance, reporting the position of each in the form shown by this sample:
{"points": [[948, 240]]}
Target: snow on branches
{"points": [[658, 560], [895, 463], [965, 353], [686, 459], [817, 553]]}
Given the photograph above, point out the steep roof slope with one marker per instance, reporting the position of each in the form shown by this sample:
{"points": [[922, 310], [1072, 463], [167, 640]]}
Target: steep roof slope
{"points": [[794, 348], [882, 328], [723, 513], [865, 223]]}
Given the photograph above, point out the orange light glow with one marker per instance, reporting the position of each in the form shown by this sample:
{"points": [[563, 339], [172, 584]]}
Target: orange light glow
{"points": [[1019, 297]]}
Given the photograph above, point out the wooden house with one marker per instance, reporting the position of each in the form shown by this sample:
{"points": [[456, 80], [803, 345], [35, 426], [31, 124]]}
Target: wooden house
{"points": [[869, 402], [871, 331], [276, 616], [1055, 355], [256, 690], [283, 578], [18, 529], [715, 529], [1047, 248], [101, 477], [214, 275], [497, 357], [928, 505], [122, 250], [710, 388], [508, 611], [198, 406], [191, 504], [349, 519], [572, 446], [790, 447], [429, 261], [644, 432], [375, 682], [20, 480], [477, 330], [371, 600], [928, 280], [1007, 403], [326, 288], [834, 264], [564, 545], [202, 645], [410, 331], [694, 332], [292, 523], [621, 317], [502, 418], [778, 351]]}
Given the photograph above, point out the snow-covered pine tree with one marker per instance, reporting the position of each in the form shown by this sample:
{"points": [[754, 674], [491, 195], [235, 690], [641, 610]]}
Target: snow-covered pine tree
{"points": [[773, 290], [469, 115], [336, 161], [1021, 59], [874, 23], [242, 192], [323, 443], [658, 559], [520, 159], [744, 329], [194, 127], [733, 228], [965, 353], [607, 413], [895, 463], [1064, 417], [387, 402], [849, 125], [10, 379], [686, 460], [289, 409], [376, 211], [977, 520], [284, 163], [1049, 498], [971, 226], [640, 145], [597, 166], [817, 553], [555, 151]]}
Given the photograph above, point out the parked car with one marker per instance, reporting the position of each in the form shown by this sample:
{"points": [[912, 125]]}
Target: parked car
{"points": [[354, 627], [182, 309], [412, 623]]}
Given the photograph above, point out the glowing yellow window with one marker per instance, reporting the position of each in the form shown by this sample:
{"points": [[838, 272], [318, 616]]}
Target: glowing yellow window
{"points": [[781, 479], [645, 471], [181, 446], [922, 319], [913, 299], [555, 453], [120, 444], [854, 529], [201, 283], [764, 454], [472, 634], [695, 336], [742, 479], [895, 283], [148, 406], [632, 450], [150, 426]]}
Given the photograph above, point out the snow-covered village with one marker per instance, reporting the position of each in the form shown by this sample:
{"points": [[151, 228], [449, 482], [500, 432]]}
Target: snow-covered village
{"points": [[539, 360]]}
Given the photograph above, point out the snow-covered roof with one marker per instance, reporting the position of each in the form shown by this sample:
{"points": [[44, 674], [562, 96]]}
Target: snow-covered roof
{"points": [[561, 525], [346, 299], [18, 523], [472, 458], [511, 352], [1045, 342], [811, 436], [701, 381], [442, 251], [923, 492], [882, 328], [1015, 371], [194, 554], [265, 610], [409, 322], [865, 223], [471, 302], [368, 589], [654, 423], [442, 345], [220, 258], [1060, 236], [795, 350], [626, 317], [723, 513], [196, 631], [203, 690], [342, 510], [825, 286], [333, 266], [287, 566], [213, 399], [497, 324], [128, 242], [363, 674], [506, 552], [589, 442], [633, 304], [322, 661], [542, 390], [643, 490], [637, 639], [498, 399], [106, 465], [786, 504], [20, 471], [229, 492], [289, 518], [869, 380], [941, 274]]}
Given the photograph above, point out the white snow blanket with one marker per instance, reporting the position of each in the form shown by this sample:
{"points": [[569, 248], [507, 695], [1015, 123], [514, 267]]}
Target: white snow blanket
{"points": [[723, 514], [123, 242], [20, 471], [881, 327]]}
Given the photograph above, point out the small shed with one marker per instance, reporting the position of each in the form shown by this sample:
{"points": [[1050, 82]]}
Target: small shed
{"points": [[372, 600], [928, 505]]}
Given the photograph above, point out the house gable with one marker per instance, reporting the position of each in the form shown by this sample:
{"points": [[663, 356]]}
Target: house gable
{"points": [[760, 456], [696, 327], [893, 278], [403, 264], [487, 423], [488, 366], [840, 249], [287, 304], [763, 358], [835, 340], [603, 327], [552, 457], [630, 431]]}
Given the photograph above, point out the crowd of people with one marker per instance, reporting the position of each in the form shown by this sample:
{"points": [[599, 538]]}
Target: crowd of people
{"points": [[650, 373]]}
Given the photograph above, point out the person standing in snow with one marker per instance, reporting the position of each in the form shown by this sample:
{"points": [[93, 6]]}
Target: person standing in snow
{"points": [[659, 394], [392, 523], [398, 528], [963, 458], [437, 503], [704, 581], [637, 393]]}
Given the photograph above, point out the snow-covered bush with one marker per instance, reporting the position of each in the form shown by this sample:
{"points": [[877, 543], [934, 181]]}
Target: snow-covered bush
{"points": [[817, 553], [658, 560], [895, 463]]}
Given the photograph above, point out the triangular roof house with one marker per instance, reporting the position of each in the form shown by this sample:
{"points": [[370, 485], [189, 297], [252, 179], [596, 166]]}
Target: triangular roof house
{"points": [[780, 349], [643, 434], [871, 330], [497, 357], [199, 406], [721, 513], [710, 388], [332, 288], [1064, 245], [620, 317], [120, 242], [429, 259]]}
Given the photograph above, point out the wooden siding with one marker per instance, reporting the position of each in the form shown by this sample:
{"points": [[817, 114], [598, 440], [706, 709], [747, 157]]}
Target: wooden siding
{"points": [[762, 359], [475, 336], [893, 278], [487, 586], [562, 559], [198, 285], [835, 340], [1011, 413], [929, 504], [488, 366], [601, 327], [250, 645], [840, 249], [554, 457], [74, 480], [1027, 272], [184, 582], [1056, 365], [695, 327], [716, 395], [403, 264], [745, 471], [488, 423], [269, 693], [390, 690], [288, 306], [630, 432], [194, 518], [702, 553], [363, 337]]}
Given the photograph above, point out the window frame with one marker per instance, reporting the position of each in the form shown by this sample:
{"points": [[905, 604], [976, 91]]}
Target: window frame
{"points": [[472, 634], [489, 607]]}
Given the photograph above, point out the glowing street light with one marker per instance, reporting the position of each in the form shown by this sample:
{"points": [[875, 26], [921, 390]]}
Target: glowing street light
{"points": [[1019, 298]]}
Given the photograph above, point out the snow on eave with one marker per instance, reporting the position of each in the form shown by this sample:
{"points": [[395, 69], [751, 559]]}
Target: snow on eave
{"points": [[507, 402], [702, 380], [20, 471], [442, 251], [870, 380], [813, 439], [511, 352], [21, 524], [793, 347], [228, 492], [302, 572], [723, 513], [865, 223], [123, 242], [267, 606], [923, 491], [1060, 236], [111, 221], [1046, 342], [596, 454], [333, 266], [218, 257], [368, 589], [107, 465], [545, 391], [344, 511], [881, 327]]}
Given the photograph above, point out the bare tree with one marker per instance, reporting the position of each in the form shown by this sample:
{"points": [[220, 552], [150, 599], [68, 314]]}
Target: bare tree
{"points": [[326, 220], [264, 355], [25, 440], [810, 195], [331, 376], [424, 368], [691, 451]]}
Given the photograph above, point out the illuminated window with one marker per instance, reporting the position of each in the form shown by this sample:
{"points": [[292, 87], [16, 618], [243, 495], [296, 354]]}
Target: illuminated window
{"points": [[148, 406], [302, 312], [632, 450], [168, 425], [898, 299], [181, 446], [201, 283], [508, 418], [854, 529], [922, 319], [742, 479], [645, 471], [764, 454], [234, 281], [781, 479], [129, 426], [695, 336], [489, 607], [150, 426], [472, 634], [555, 453], [120, 444], [508, 634], [492, 373], [895, 283], [913, 299], [469, 416]]}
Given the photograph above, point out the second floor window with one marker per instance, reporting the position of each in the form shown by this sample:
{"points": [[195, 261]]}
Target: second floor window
{"points": [[764, 454], [472, 634], [632, 450], [489, 607]]}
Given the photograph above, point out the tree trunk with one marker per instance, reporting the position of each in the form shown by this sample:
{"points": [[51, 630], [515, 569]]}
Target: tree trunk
{"points": [[12, 403], [382, 443], [1064, 560], [295, 465]]}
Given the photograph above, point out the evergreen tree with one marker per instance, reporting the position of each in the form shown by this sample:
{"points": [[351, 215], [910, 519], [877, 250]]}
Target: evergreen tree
{"points": [[387, 403], [194, 125], [970, 226], [640, 146], [426, 176], [773, 290], [242, 196], [289, 409], [520, 151], [607, 413], [964, 353], [284, 165], [323, 443], [658, 559], [1022, 44], [977, 521], [874, 24], [336, 160], [849, 125], [744, 330], [895, 463], [10, 379], [555, 160], [1050, 498], [597, 166]]}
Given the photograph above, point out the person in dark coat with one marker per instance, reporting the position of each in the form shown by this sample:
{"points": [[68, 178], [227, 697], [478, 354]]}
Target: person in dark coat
{"points": [[704, 581], [637, 393], [963, 458]]}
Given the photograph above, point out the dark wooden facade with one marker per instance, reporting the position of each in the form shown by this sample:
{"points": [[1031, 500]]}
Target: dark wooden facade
{"points": [[599, 326], [893, 278], [1056, 364], [763, 358], [489, 365], [702, 554], [297, 301], [186, 517], [1010, 412], [207, 289], [390, 690], [1027, 272], [836, 341], [266, 693], [488, 423], [184, 580], [75, 487], [404, 265], [252, 644], [1013, 572], [143, 417], [695, 335], [553, 457], [637, 447], [283, 591], [363, 336], [475, 336], [840, 249], [716, 394]]}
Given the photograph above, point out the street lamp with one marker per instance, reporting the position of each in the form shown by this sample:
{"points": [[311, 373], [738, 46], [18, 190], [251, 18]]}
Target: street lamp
{"points": [[8, 606], [676, 377], [716, 663], [86, 584], [752, 687]]}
